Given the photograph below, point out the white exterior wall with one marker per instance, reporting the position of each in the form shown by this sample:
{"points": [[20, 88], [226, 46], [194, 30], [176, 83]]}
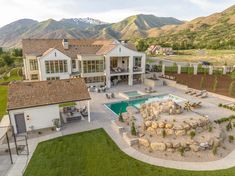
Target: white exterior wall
{"points": [[51, 56], [122, 51], [27, 70], [38, 117]]}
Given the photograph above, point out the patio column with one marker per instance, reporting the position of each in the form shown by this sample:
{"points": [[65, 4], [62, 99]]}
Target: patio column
{"points": [[224, 70], [130, 78], [163, 69], [107, 71], [210, 70], [179, 69], [88, 111], [195, 69]]}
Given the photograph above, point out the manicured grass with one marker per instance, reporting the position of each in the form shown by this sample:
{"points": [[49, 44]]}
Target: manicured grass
{"points": [[3, 100], [13, 76], [217, 57], [93, 153]]}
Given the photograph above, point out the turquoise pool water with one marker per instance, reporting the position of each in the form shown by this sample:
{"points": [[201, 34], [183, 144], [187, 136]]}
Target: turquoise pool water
{"points": [[132, 94], [121, 106]]}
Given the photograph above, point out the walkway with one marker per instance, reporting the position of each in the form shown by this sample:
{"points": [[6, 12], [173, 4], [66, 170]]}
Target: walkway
{"points": [[101, 118]]}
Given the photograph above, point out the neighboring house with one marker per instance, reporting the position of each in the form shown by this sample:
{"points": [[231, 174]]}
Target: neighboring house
{"points": [[158, 50], [35, 105], [99, 62]]}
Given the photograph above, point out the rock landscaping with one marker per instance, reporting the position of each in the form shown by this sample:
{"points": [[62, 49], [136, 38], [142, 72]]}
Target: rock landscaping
{"points": [[164, 127]]}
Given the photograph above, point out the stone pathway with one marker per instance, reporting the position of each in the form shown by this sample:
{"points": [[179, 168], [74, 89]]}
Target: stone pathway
{"points": [[101, 118]]}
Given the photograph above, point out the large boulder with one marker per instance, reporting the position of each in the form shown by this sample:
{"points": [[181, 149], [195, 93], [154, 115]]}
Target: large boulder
{"points": [[194, 147], [169, 131], [154, 125], [158, 146], [148, 123], [176, 144], [180, 132], [169, 145], [151, 130], [169, 125], [161, 124], [145, 142]]}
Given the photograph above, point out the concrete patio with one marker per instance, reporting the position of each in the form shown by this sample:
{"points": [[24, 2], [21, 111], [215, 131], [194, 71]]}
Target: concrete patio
{"points": [[101, 118]]}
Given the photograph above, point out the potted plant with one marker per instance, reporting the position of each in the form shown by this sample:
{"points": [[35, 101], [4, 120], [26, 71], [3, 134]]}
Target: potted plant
{"points": [[57, 124]]}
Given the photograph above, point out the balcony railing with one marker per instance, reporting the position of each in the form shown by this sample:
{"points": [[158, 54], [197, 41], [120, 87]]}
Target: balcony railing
{"points": [[118, 70]]}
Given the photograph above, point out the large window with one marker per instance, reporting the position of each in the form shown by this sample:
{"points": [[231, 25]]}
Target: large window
{"points": [[137, 61], [93, 66], [34, 77], [56, 66], [33, 64], [96, 79], [53, 78], [74, 64]]}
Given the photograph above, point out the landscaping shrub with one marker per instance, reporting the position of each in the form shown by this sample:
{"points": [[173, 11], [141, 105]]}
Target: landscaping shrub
{"points": [[192, 134], [120, 118], [181, 150], [229, 126], [210, 129], [230, 138], [214, 150], [231, 90], [133, 130], [215, 85], [202, 82], [163, 133], [225, 119]]}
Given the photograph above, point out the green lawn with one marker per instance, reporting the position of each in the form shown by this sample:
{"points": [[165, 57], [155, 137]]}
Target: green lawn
{"points": [[3, 100], [13, 76], [94, 153]]}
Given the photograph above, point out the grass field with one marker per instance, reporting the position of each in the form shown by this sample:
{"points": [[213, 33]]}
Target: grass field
{"points": [[13, 76], [4, 89], [217, 57], [94, 153]]}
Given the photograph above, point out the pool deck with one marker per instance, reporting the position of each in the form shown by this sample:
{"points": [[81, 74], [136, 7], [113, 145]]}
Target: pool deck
{"points": [[102, 116]]}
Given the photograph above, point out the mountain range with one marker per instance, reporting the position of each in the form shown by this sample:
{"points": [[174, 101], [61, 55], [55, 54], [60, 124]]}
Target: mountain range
{"points": [[213, 30], [134, 26]]}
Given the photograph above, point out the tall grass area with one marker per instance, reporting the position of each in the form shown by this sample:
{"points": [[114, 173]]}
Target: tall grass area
{"points": [[3, 100], [93, 153], [14, 75]]}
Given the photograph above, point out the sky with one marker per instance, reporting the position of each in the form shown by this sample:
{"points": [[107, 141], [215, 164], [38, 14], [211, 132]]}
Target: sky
{"points": [[107, 10]]}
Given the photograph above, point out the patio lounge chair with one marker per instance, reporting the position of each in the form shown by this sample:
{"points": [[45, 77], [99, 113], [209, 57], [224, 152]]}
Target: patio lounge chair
{"points": [[204, 95], [193, 92], [188, 91], [197, 105]]}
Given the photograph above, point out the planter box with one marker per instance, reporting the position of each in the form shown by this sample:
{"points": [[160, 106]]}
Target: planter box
{"points": [[130, 141], [117, 128], [152, 83]]}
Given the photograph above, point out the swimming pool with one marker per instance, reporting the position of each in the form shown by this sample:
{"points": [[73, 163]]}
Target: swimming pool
{"points": [[121, 106], [131, 94]]}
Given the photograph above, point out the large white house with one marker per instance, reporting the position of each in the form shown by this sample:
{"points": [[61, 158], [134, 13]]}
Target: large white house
{"points": [[106, 62]]}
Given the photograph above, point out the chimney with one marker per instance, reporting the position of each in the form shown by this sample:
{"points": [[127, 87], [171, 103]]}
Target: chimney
{"points": [[65, 44]]}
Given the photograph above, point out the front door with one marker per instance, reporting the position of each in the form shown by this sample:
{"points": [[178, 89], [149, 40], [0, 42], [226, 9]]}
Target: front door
{"points": [[20, 123]]}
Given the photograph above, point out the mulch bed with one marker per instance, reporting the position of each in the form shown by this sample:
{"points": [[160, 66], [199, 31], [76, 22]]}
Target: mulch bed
{"points": [[194, 81]]}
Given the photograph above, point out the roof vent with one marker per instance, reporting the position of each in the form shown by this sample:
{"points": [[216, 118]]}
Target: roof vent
{"points": [[65, 44]]}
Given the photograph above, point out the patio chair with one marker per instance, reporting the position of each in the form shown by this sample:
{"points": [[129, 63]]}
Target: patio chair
{"points": [[112, 95], [107, 96]]}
